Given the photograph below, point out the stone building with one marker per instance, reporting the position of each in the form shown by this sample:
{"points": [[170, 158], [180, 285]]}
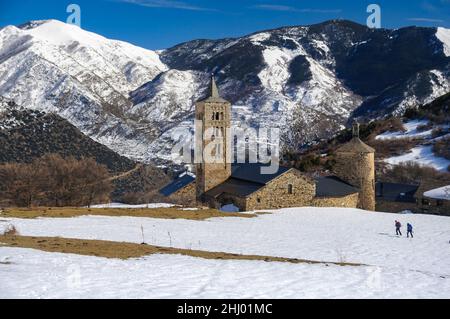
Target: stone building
{"points": [[355, 164], [432, 199], [181, 190], [220, 182], [395, 197], [430, 196]]}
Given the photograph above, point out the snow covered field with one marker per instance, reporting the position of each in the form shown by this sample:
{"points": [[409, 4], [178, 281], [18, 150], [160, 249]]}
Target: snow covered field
{"points": [[396, 267]]}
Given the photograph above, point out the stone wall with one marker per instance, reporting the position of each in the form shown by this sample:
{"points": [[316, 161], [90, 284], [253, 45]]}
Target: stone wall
{"points": [[215, 117], [185, 196], [395, 207], [226, 199], [358, 169], [433, 206], [349, 201], [276, 193]]}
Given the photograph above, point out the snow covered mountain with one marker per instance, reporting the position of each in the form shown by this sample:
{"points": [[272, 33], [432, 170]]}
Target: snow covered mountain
{"points": [[56, 67], [307, 80]]}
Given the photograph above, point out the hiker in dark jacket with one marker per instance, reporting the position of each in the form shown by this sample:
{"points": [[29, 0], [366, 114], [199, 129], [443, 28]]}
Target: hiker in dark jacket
{"points": [[409, 230], [397, 228]]}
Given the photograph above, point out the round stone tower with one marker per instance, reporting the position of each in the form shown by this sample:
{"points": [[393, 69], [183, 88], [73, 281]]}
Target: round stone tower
{"points": [[355, 164]]}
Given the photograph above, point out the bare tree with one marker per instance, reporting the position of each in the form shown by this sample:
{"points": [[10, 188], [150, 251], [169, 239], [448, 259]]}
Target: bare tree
{"points": [[54, 181]]}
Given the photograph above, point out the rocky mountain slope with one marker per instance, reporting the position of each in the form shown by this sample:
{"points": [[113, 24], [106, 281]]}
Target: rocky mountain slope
{"points": [[421, 136], [307, 80], [29, 134]]}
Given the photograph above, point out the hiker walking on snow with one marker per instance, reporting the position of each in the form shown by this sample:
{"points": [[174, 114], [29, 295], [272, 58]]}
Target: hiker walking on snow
{"points": [[397, 228], [409, 230]]}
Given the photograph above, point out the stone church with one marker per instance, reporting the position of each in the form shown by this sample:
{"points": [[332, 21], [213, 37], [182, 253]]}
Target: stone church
{"points": [[222, 183]]}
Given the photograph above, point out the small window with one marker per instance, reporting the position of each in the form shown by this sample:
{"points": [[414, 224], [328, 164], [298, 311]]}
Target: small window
{"points": [[258, 200], [219, 149], [290, 189]]}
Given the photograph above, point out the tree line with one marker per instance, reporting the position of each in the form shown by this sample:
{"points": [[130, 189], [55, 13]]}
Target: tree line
{"points": [[54, 181]]}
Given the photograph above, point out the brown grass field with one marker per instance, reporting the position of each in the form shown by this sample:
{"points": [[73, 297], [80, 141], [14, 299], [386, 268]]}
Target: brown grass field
{"points": [[121, 250], [163, 213]]}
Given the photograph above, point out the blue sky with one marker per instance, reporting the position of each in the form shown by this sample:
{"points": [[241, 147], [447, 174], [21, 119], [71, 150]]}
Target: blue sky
{"points": [[157, 24]]}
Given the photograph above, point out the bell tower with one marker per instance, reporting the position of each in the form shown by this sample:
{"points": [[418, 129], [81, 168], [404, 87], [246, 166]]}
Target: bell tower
{"points": [[212, 141]]}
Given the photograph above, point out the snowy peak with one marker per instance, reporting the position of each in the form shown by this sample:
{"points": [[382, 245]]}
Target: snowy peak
{"points": [[84, 77], [76, 51], [444, 36], [74, 40], [59, 33]]}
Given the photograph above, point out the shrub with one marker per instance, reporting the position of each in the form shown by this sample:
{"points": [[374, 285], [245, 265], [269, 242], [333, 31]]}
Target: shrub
{"points": [[424, 127], [393, 147], [9, 230], [412, 173], [308, 162], [395, 125], [54, 181], [442, 148], [437, 132]]}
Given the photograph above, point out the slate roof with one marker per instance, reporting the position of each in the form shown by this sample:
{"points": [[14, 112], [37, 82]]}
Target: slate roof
{"points": [[252, 173], [235, 187], [245, 179], [332, 186], [177, 184], [356, 145], [395, 192]]}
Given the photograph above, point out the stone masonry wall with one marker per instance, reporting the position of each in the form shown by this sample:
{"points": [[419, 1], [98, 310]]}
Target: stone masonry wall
{"points": [[434, 206], [395, 207], [214, 116], [185, 196], [358, 169], [349, 201], [276, 195]]}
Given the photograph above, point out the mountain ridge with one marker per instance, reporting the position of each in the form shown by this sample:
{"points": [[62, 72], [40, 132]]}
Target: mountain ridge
{"points": [[308, 80]]}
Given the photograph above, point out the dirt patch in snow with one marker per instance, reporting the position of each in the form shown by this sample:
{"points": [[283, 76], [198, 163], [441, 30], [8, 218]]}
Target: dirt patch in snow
{"points": [[122, 250], [163, 213]]}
